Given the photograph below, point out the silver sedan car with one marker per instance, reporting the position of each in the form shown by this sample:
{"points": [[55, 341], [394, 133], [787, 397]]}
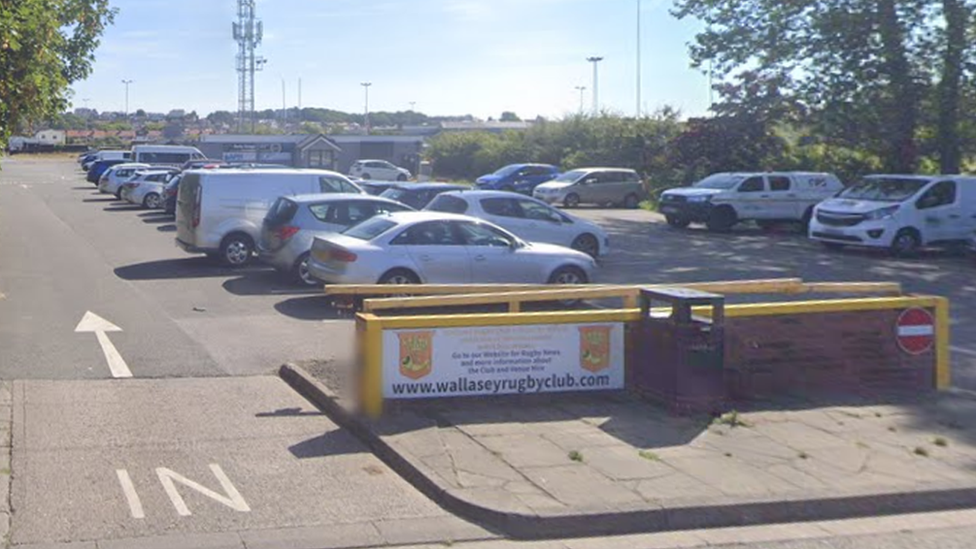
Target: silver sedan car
{"points": [[441, 248], [146, 188], [294, 221]]}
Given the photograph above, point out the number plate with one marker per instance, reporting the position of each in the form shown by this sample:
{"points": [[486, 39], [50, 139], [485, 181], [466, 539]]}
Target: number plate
{"points": [[669, 209]]}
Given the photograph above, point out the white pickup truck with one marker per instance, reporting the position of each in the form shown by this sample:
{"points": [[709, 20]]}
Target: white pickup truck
{"points": [[722, 200]]}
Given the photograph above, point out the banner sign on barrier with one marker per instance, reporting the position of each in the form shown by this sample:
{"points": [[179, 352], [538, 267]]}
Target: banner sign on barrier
{"points": [[497, 360]]}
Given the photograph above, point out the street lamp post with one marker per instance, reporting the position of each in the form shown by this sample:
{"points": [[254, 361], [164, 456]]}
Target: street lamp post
{"points": [[581, 89], [127, 82], [596, 83], [366, 86], [638, 58]]}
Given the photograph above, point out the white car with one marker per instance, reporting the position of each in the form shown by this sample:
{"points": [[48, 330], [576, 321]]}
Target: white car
{"points": [[146, 188], [380, 170], [439, 248], [111, 181], [527, 218]]}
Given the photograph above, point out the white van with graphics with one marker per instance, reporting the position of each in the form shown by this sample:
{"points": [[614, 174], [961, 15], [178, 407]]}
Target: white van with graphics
{"points": [[165, 155], [221, 212], [900, 212], [722, 200]]}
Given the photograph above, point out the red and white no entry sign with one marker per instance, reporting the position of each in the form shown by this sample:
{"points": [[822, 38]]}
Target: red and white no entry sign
{"points": [[916, 331]]}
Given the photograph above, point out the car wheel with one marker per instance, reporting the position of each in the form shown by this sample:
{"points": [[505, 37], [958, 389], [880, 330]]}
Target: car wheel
{"points": [[631, 201], [301, 275], [906, 243], [721, 220], [399, 276], [568, 275], [118, 195], [677, 222], [366, 176], [401, 177], [571, 200], [588, 244], [151, 201], [236, 250]]}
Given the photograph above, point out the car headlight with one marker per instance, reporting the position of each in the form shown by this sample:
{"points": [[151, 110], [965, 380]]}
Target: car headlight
{"points": [[700, 198], [883, 213]]}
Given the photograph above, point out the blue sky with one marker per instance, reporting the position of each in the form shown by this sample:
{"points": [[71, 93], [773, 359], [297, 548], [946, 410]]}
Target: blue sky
{"points": [[477, 57]]}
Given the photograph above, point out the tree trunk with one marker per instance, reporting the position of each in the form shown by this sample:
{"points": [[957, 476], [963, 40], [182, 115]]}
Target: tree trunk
{"points": [[902, 111], [947, 133]]}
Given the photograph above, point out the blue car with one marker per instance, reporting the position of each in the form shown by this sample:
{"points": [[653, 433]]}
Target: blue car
{"points": [[98, 168], [520, 178]]}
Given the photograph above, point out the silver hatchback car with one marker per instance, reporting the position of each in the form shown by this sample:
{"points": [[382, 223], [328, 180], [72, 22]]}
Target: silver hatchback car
{"points": [[293, 222]]}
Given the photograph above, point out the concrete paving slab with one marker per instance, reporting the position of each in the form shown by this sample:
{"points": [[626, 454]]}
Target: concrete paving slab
{"points": [[334, 536], [775, 468]]}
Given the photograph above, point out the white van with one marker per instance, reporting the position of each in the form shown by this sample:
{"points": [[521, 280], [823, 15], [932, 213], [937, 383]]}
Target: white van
{"points": [[107, 155], [723, 199], [165, 155], [899, 212], [220, 212]]}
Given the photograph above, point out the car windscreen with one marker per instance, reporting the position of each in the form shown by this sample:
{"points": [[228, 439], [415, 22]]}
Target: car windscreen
{"points": [[884, 189], [507, 170], [281, 212], [449, 204], [570, 177], [370, 229], [719, 181]]}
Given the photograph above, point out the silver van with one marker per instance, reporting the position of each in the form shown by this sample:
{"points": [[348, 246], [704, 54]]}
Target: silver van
{"points": [[220, 212]]}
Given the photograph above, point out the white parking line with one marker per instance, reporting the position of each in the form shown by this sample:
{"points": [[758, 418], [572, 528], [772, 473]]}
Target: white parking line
{"points": [[962, 351]]}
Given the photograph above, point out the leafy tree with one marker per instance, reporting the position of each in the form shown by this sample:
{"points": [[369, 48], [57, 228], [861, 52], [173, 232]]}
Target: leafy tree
{"points": [[509, 116], [863, 68], [222, 117], [45, 45], [140, 113]]}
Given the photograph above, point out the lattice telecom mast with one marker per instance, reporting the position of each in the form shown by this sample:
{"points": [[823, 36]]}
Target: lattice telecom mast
{"points": [[248, 32]]}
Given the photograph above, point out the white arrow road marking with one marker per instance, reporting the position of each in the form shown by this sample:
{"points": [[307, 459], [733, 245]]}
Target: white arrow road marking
{"points": [[94, 323]]}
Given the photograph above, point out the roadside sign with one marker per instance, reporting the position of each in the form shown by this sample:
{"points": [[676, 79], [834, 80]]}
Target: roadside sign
{"points": [[915, 331]]}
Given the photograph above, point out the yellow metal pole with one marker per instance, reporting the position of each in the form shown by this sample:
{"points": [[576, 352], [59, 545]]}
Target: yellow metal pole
{"points": [[373, 367], [943, 366]]}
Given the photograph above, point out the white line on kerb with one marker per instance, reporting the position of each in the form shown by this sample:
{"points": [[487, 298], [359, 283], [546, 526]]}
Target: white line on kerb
{"points": [[962, 351]]}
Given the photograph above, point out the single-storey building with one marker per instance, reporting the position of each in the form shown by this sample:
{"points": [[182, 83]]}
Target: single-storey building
{"points": [[300, 151], [336, 152]]}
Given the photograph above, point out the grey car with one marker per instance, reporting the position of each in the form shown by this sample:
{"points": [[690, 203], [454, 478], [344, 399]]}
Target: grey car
{"points": [[616, 186], [293, 222]]}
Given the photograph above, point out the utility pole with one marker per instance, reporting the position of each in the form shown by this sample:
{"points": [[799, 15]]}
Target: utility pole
{"points": [[638, 58], [412, 105], [366, 86], [127, 82], [299, 96], [284, 105], [596, 83], [581, 89]]}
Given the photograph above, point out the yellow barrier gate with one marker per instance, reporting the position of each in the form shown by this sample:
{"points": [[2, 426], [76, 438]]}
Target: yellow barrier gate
{"points": [[429, 356]]}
